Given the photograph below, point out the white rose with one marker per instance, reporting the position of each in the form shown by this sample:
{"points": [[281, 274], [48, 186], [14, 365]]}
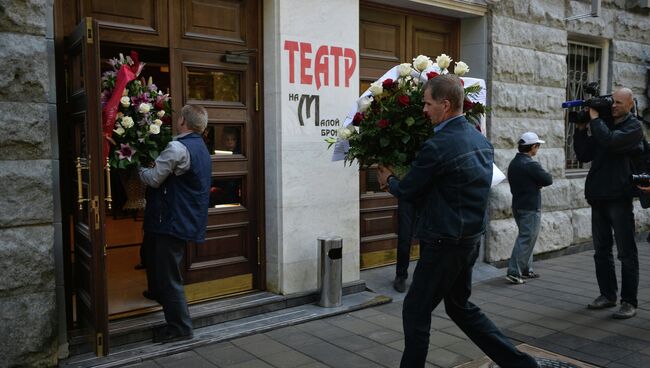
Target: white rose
{"points": [[154, 129], [127, 122], [376, 88], [404, 69], [161, 113], [422, 62], [119, 130], [443, 61], [158, 122], [364, 103], [461, 68], [144, 108], [345, 133], [125, 101]]}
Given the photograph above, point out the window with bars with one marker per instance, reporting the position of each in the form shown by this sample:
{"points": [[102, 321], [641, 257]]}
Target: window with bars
{"points": [[585, 64]]}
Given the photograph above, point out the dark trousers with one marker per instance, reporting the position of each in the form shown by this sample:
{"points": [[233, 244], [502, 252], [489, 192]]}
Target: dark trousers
{"points": [[405, 218], [164, 254], [617, 215], [445, 272]]}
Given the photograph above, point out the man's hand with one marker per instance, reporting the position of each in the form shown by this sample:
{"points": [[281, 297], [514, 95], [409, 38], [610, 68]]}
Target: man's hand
{"points": [[593, 114], [383, 174], [644, 189]]}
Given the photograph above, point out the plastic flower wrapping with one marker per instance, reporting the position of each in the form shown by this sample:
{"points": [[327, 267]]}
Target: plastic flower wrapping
{"points": [[136, 115], [389, 126]]}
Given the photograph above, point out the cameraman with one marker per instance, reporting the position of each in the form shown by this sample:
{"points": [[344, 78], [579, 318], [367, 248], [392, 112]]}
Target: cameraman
{"points": [[609, 193]]}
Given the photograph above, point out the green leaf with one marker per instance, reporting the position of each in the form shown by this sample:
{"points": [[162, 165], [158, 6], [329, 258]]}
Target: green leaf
{"points": [[406, 138], [409, 121], [384, 141]]}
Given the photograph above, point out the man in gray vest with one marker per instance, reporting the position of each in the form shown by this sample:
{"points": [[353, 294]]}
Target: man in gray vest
{"points": [[177, 212]]}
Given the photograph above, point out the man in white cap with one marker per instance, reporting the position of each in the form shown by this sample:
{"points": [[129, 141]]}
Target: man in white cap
{"points": [[526, 177]]}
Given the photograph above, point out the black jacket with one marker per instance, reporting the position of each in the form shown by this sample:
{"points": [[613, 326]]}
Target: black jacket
{"points": [[526, 177], [609, 148]]}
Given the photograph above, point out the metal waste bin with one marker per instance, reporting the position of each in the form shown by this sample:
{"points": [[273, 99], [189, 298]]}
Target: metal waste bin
{"points": [[331, 271]]}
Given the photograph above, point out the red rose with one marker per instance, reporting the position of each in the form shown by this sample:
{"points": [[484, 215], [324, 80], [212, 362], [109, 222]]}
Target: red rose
{"points": [[388, 84], [158, 105], [467, 105], [403, 100], [167, 120], [357, 119], [432, 74], [383, 123]]}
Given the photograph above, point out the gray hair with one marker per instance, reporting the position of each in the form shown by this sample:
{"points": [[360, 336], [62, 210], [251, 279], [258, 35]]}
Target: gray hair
{"points": [[447, 87], [196, 117]]}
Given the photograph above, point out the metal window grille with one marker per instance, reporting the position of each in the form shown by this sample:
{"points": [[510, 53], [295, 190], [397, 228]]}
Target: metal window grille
{"points": [[583, 66]]}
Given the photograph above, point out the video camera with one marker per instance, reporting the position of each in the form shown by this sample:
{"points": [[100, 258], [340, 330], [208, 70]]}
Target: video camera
{"points": [[602, 104]]}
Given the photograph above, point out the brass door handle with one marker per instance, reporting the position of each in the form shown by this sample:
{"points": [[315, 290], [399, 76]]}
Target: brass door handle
{"points": [[108, 199], [82, 164]]}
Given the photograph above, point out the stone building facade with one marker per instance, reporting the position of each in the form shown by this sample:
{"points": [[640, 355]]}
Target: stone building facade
{"points": [[28, 165], [527, 84], [526, 72]]}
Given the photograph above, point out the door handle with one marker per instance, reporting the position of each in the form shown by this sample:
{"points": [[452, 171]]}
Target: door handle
{"points": [[109, 198], [82, 164]]}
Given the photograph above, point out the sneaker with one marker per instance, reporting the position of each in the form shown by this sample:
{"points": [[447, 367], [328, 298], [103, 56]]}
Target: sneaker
{"points": [[515, 279], [530, 275], [400, 284], [601, 302], [626, 311]]}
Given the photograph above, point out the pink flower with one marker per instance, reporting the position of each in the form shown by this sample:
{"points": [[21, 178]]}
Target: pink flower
{"points": [[126, 152]]}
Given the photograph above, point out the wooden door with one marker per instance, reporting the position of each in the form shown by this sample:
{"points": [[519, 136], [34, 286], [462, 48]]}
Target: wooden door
{"points": [[82, 123], [390, 36], [141, 22], [215, 63]]}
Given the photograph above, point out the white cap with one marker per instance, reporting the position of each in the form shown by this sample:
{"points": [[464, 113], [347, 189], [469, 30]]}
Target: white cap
{"points": [[529, 138]]}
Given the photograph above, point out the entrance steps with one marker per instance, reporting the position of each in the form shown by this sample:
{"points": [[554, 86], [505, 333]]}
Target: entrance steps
{"points": [[220, 320]]}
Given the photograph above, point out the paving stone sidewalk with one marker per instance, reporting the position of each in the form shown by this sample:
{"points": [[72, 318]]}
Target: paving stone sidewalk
{"points": [[549, 313]]}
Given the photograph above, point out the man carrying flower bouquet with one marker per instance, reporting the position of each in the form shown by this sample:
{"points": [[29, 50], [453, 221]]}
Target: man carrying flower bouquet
{"points": [[177, 212], [450, 178]]}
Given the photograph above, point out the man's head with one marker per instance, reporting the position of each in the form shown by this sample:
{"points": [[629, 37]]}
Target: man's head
{"points": [[193, 118], [529, 143], [443, 98], [623, 103], [230, 138]]}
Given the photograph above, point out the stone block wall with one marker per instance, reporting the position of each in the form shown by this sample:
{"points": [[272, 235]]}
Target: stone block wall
{"points": [[526, 85], [28, 327]]}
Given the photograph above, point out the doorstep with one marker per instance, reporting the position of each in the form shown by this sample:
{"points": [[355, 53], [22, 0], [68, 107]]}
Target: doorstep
{"points": [[221, 320]]}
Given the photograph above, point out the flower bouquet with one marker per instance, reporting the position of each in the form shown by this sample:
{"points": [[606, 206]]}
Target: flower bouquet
{"points": [[136, 123], [136, 115], [388, 125]]}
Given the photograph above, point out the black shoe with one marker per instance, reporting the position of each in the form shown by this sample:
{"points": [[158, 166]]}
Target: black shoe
{"points": [[626, 311], [149, 295], [601, 303], [400, 284], [166, 335], [530, 275]]}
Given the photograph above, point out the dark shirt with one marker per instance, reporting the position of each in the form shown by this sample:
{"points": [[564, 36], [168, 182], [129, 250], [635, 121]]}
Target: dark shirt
{"points": [[450, 181], [526, 177], [609, 148]]}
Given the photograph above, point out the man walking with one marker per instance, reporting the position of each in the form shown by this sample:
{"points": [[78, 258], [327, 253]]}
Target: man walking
{"points": [[451, 179], [176, 212], [526, 177], [609, 191]]}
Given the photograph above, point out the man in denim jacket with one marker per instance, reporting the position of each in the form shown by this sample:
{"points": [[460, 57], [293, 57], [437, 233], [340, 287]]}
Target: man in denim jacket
{"points": [[451, 178]]}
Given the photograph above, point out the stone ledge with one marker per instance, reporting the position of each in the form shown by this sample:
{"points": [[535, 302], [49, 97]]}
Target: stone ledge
{"points": [[26, 259], [550, 12], [23, 16], [24, 76], [505, 132], [526, 101], [528, 66], [29, 197], [521, 33]]}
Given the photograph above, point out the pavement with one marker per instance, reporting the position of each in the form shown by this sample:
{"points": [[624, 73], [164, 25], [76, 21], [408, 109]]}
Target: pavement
{"points": [[547, 313]]}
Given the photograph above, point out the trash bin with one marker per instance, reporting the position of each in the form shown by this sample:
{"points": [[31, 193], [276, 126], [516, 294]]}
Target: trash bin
{"points": [[331, 271]]}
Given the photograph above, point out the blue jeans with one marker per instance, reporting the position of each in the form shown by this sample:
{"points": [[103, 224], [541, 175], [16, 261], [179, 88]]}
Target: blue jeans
{"points": [[521, 260], [445, 272], [405, 228], [617, 215]]}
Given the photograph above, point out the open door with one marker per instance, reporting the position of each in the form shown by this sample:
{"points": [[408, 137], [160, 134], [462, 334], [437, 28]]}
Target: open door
{"points": [[82, 120]]}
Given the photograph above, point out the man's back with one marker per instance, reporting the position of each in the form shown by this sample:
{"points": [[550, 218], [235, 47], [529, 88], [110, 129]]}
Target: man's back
{"points": [[526, 176]]}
